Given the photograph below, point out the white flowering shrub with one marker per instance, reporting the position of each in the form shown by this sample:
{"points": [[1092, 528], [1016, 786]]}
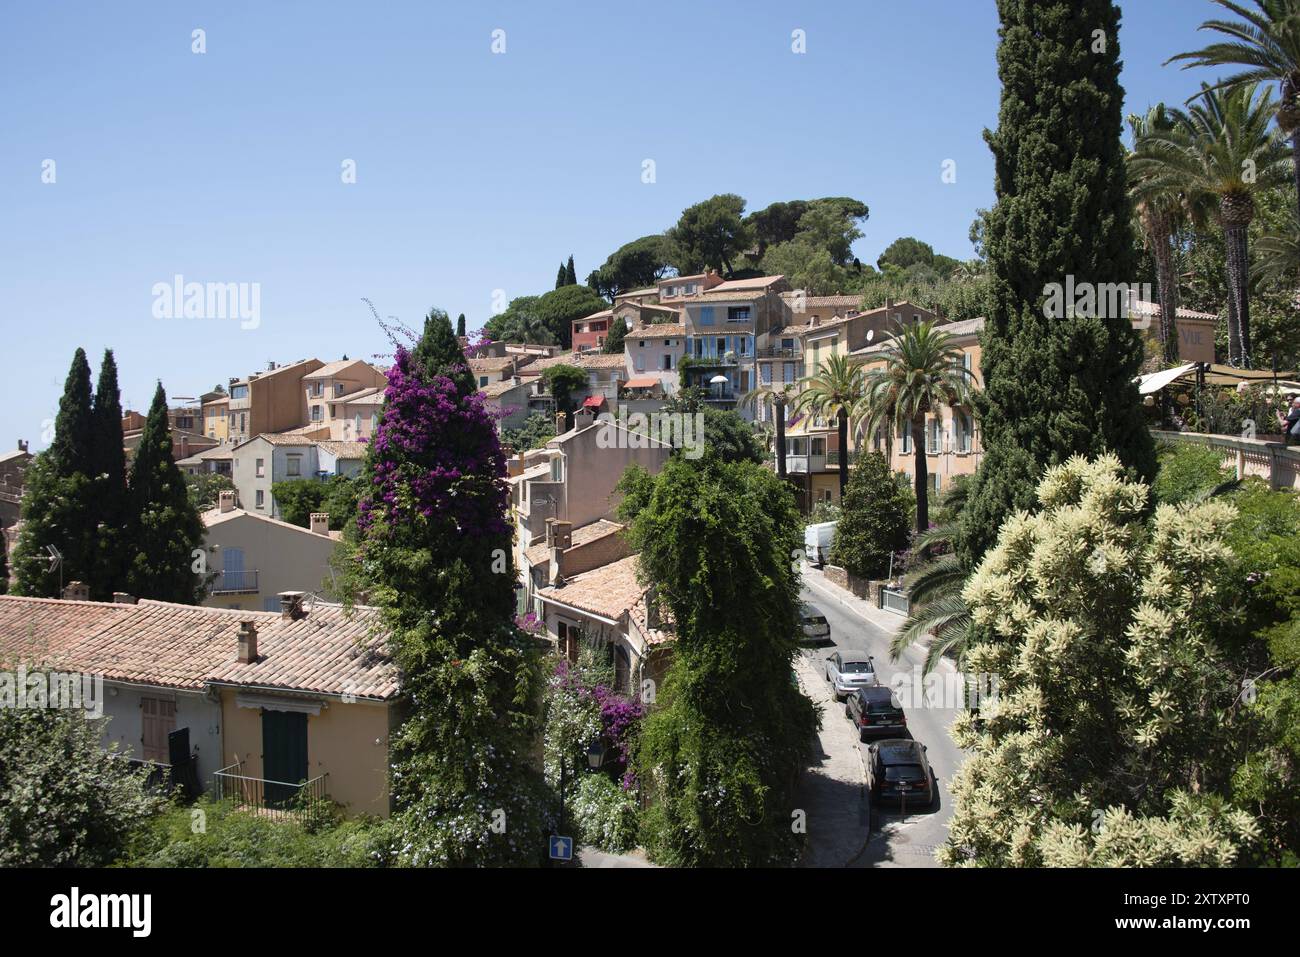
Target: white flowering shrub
{"points": [[606, 814], [1113, 696]]}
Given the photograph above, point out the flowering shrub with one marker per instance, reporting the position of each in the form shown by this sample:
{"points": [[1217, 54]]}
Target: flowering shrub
{"points": [[605, 813]]}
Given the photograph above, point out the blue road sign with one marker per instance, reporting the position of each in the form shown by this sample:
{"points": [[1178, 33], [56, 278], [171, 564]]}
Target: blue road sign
{"points": [[561, 848]]}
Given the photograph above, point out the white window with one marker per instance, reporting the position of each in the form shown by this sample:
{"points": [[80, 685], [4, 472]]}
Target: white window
{"points": [[260, 468], [261, 498]]}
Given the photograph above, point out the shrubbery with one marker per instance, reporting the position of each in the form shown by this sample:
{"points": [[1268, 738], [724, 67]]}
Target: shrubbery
{"points": [[874, 522], [215, 834], [605, 813]]}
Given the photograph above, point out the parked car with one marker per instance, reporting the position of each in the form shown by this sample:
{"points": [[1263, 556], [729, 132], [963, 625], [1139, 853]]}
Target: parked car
{"points": [[817, 542], [897, 770], [813, 624], [847, 671], [875, 710]]}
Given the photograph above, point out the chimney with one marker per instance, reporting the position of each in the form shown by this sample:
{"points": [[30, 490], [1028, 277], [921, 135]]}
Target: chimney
{"points": [[514, 465], [122, 598], [560, 537], [247, 642], [291, 607], [22, 445], [76, 591], [320, 523], [559, 423], [226, 501], [583, 418]]}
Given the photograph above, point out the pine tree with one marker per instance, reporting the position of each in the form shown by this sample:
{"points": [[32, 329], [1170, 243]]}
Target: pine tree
{"points": [[1054, 387], [570, 275], [164, 527], [58, 499], [109, 474], [433, 551], [460, 326]]}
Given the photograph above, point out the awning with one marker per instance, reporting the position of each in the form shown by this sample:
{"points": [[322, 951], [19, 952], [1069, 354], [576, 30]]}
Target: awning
{"points": [[644, 382], [1215, 374], [593, 402], [1154, 382]]}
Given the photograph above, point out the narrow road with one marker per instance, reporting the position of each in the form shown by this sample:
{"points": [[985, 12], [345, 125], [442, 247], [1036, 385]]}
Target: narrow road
{"points": [[897, 839]]}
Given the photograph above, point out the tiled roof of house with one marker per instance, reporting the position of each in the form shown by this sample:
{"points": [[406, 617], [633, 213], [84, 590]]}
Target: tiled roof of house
{"points": [[344, 450], [494, 390], [608, 591], [639, 614], [596, 315], [329, 651], [372, 396], [963, 327], [756, 282], [824, 302], [296, 437], [539, 553], [494, 363], [1140, 307], [735, 295], [661, 330], [331, 369], [599, 360], [647, 291], [215, 516]]}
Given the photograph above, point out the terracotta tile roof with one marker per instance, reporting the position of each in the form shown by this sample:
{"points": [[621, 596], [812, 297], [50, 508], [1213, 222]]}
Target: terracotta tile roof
{"points": [[662, 330], [825, 302], [494, 390], [608, 591], [737, 295], [756, 282], [494, 363], [647, 291], [373, 396], [330, 651], [344, 450], [296, 437], [215, 516], [639, 615], [539, 553], [959, 329], [599, 360], [331, 369]]}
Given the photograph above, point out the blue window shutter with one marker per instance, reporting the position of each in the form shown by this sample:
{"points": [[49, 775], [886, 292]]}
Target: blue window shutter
{"points": [[706, 315]]}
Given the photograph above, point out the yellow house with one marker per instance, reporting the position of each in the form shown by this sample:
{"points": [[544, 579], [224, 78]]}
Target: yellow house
{"points": [[263, 708]]}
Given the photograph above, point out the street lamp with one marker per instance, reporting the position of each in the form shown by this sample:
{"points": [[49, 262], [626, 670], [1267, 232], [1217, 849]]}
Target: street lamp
{"points": [[596, 754]]}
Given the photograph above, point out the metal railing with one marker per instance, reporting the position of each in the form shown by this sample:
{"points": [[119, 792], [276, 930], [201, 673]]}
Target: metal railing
{"points": [[778, 352], [273, 798], [833, 458], [234, 582]]}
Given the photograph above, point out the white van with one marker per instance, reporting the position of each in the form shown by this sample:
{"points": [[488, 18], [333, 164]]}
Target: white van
{"points": [[817, 542]]}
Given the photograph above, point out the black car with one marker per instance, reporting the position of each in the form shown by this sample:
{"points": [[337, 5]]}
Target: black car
{"points": [[875, 711], [897, 770]]}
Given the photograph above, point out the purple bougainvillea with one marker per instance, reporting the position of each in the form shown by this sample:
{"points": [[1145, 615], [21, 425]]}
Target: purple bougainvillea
{"points": [[436, 458]]}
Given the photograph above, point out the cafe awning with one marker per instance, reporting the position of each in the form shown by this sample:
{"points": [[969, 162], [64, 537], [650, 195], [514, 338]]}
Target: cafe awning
{"points": [[1215, 374], [643, 382]]}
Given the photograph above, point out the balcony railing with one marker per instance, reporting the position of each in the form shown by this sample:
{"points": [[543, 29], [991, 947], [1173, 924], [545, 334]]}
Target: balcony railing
{"points": [[777, 352], [273, 798], [234, 582], [833, 458], [803, 464]]}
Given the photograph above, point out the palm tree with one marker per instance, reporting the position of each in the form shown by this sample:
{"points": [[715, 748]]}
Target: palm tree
{"points": [[1159, 209], [1267, 47], [779, 400], [833, 392], [934, 591], [1223, 149], [922, 372]]}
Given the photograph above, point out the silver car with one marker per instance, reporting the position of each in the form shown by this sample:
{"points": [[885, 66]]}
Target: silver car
{"points": [[847, 671], [813, 623]]}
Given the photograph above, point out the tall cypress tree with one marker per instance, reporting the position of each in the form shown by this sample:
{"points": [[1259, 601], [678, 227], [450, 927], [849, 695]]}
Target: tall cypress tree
{"points": [[59, 506], [1059, 385], [570, 276], [561, 277], [433, 551], [460, 326], [109, 474], [164, 527]]}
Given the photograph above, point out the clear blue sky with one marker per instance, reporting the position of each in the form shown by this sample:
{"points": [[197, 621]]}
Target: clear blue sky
{"points": [[475, 171]]}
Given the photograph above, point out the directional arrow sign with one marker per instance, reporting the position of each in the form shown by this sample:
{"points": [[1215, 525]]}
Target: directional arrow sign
{"points": [[56, 557], [561, 848]]}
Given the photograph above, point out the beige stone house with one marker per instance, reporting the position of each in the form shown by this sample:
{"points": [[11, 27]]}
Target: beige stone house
{"points": [[270, 401]]}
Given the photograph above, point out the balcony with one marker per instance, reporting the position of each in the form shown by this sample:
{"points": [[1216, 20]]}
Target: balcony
{"points": [[277, 799], [803, 464], [833, 458], [234, 582], [777, 352]]}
